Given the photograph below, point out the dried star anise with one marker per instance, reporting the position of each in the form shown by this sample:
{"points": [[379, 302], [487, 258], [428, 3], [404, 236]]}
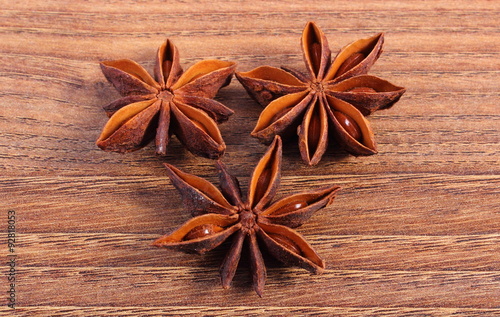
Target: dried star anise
{"points": [[220, 214], [332, 98], [174, 102]]}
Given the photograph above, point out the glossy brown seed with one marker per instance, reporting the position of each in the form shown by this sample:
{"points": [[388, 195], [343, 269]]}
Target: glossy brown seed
{"points": [[362, 89], [348, 124], [167, 65], [202, 231], [284, 241], [314, 132], [315, 56], [290, 207], [349, 63], [262, 184]]}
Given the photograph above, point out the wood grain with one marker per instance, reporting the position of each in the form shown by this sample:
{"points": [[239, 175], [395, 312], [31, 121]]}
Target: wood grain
{"points": [[415, 230]]}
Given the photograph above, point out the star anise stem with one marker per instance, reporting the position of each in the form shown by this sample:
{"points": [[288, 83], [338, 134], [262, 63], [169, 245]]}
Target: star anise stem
{"points": [[228, 267], [257, 265]]}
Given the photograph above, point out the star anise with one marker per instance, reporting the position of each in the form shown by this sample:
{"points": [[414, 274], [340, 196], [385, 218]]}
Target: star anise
{"points": [[175, 102], [332, 98], [220, 214]]}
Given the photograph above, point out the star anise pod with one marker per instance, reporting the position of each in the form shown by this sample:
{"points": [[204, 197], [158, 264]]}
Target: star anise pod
{"points": [[256, 222], [174, 102], [331, 99]]}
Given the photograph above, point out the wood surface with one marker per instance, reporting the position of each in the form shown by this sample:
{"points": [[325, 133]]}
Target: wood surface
{"points": [[415, 230]]}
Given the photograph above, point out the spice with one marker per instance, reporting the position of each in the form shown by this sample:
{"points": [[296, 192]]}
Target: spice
{"points": [[332, 98], [174, 102], [220, 214]]}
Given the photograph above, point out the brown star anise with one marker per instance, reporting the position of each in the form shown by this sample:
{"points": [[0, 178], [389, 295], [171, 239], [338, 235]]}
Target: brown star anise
{"points": [[175, 102], [220, 214], [332, 98]]}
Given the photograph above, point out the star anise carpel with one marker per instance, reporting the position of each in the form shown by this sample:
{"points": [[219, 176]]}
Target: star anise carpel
{"points": [[330, 100], [173, 102], [255, 221]]}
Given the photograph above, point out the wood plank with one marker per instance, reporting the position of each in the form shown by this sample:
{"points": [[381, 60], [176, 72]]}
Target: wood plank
{"points": [[126, 286], [179, 7], [423, 204], [55, 311], [406, 144], [353, 252]]}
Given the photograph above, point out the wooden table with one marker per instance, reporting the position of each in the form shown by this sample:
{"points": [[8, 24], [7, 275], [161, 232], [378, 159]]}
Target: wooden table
{"points": [[414, 232]]}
